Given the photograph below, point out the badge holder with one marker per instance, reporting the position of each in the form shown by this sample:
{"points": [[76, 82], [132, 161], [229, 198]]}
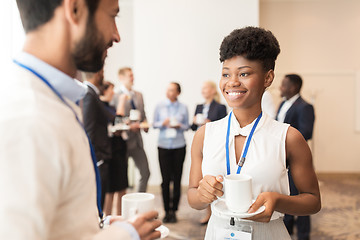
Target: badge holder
{"points": [[234, 232], [235, 227]]}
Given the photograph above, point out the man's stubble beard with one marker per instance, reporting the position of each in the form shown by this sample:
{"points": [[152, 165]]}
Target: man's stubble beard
{"points": [[88, 54]]}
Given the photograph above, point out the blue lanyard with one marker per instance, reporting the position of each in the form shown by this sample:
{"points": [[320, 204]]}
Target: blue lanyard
{"points": [[93, 156], [243, 157]]}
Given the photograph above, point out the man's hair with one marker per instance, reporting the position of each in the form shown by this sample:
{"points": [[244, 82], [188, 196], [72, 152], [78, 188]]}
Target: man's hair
{"points": [[123, 70], [178, 87], [295, 80], [252, 43], [35, 13]]}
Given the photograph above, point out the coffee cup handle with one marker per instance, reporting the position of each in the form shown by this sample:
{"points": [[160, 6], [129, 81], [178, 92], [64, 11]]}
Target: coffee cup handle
{"points": [[223, 196]]}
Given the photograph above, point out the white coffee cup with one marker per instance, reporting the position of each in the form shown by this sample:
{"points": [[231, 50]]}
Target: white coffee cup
{"points": [[200, 119], [173, 122], [238, 192], [134, 115], [136, 203]]}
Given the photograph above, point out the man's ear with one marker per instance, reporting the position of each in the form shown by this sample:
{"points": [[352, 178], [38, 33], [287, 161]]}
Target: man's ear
{"points": [[74, 9], [269, 78]]}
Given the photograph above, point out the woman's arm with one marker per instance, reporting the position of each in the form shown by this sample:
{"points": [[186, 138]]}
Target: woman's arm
{"points": [[202, 191], [308, 201]]}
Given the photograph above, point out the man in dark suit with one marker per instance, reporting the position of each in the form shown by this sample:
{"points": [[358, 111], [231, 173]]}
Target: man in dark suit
{"points": [[96, 118], [300, 115]]}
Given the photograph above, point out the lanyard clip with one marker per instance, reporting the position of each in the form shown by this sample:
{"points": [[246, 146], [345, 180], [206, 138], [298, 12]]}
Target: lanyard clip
{"points": [[241, 162], [104, 220], [232, 221], [101, 223]]}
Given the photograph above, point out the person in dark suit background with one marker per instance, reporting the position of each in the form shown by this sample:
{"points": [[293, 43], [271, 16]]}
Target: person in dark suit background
{"points": [[118, 166], [96, 118], [211, 110], [300, 115]]}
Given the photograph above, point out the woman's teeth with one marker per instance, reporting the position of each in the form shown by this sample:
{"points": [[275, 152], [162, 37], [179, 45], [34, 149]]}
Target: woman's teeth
{"points": [[234, 93]]}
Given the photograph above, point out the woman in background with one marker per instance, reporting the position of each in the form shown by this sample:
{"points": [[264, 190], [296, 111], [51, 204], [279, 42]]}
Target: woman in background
{"points": [[212, 109], [172, 118], [118, 178], [209, 111]]}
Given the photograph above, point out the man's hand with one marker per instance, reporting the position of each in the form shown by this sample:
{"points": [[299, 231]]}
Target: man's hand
{"points": [[145, 224], [134, 126]]}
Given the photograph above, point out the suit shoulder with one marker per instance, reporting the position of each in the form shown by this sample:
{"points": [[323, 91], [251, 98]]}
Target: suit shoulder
{"points": [[138, 93], [304, 102]]}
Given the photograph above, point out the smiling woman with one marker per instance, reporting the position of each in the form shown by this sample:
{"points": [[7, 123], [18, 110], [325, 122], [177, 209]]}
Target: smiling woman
{"points": [[248, 56]]}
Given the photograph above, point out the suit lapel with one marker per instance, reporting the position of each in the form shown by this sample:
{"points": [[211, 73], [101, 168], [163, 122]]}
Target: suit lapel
{"points": [[291, 110]]}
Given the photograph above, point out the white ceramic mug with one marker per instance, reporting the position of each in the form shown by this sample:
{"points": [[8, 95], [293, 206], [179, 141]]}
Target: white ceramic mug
{"points": [[173, 122], [136, 203], [200, 119], [238, 192], [134, 115]]}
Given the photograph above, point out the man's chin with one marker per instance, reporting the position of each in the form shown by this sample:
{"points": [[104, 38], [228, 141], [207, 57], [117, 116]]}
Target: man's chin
{"points": [[91, 67]]}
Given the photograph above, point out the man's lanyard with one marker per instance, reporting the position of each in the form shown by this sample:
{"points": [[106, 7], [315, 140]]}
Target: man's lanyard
{"points": [[243, 157], [93, 156]]}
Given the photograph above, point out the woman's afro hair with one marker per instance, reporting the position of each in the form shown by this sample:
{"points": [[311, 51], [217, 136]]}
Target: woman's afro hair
{"points": [[253, 43]]}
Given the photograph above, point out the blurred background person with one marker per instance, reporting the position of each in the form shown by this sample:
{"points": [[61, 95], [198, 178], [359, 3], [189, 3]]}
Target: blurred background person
{"points": [[133, 108], [118, 165], [172, 118], [300, 115], [96, 118], [211, 110]]}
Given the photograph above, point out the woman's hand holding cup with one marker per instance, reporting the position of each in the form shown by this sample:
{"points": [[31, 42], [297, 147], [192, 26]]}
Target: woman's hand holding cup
{"points": [[267, 199], [210, 188]]}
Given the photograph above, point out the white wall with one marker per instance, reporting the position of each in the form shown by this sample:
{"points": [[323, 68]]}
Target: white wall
{"points": [[12, 40], [175, 40], [121, 54]]}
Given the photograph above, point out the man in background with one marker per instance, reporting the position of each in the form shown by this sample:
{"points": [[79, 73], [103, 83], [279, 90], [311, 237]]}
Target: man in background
{"points": [[300, 115], [48, 173], [135, 111], [96, 119]]}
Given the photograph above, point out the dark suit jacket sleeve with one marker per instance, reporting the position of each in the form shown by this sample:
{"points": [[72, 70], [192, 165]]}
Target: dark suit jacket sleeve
{"points": [[222, 111], [89, 115], [306, 121], [198, 109], [95, 117]]}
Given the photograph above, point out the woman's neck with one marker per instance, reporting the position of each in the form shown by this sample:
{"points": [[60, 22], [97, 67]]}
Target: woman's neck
{"points": [[246, 116], [208, 101]]}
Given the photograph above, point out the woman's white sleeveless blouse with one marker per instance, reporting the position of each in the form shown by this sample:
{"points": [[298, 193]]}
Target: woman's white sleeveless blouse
{"points": [[265, 160]]}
